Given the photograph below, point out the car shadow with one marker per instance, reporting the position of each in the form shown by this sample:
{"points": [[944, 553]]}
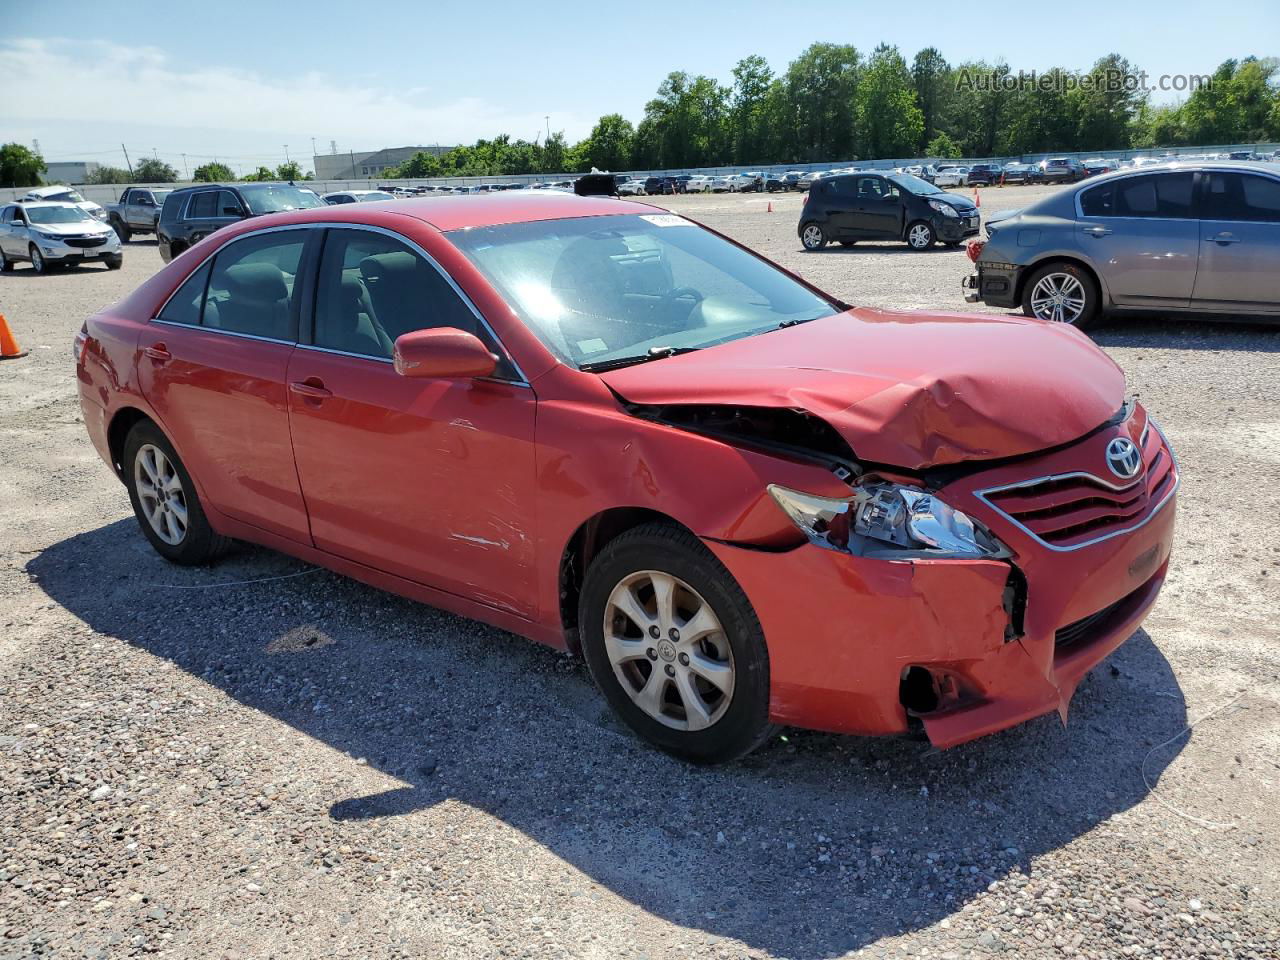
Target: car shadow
{"points": [[1248, 334], [812, 847], [883, 246]]}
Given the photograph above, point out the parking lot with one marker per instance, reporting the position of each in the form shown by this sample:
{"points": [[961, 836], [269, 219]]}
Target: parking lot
{"points": [[258, 759]]}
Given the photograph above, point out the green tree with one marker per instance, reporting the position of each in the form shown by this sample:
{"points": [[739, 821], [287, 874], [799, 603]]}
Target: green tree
{"points": [[749, 110], [980, 106], [151, 170], [889, 122], [262, 173], [943, 148], [417, 167], [213, 173], [821, 85], [289, 171], [1105, 109], [1043, 117], [20, 166], [109, 175], [609, 145], [929, 74]]}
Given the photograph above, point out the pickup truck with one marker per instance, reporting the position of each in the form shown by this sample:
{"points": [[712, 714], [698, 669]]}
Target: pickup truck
{"points": [[136, 212]]}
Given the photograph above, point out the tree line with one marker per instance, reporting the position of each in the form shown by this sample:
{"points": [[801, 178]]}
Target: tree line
{"points": [[20, 166], [835, 103]]}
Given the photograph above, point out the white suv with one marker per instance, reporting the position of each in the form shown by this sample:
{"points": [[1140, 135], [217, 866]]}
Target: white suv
{"points": [[62, 194]]}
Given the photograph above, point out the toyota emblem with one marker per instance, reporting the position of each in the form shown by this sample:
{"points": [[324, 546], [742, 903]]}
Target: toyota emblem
{"points": [[1124, 458]]}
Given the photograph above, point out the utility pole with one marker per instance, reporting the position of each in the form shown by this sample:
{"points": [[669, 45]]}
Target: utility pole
{"points": [[126, 161], [185, 172], [154, 154], [313, 146], [548, 119], [286, 153]]}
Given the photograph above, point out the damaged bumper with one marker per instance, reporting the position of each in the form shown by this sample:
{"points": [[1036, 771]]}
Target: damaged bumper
{"points": [[964, 647]]}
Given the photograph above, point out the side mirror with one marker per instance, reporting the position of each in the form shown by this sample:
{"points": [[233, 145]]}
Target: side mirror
{"points": [[442, 352]]}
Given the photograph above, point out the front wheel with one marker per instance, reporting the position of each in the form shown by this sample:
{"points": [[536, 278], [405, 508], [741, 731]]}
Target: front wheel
{"points": [[1062, 293], [920, 236], [675, 646], [38, 262], [115, 263], [122, 231], [165, 500], [812, 237]]}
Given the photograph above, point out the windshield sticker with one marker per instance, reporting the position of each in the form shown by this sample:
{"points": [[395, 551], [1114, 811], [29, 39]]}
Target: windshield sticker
{"points": [[665, 220], [594, 345]]}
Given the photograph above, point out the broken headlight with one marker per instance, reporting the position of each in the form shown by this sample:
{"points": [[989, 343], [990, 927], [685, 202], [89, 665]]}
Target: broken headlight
{"points": [[883, 518]]}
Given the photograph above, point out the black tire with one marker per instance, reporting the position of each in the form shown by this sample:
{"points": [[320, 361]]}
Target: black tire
{"points": [[847, 243], [200, 544], [115, 263], [812, 236], [121, 228], [744, 723], [38, 262], [6, 265], [929, 235], [1092, 300]]}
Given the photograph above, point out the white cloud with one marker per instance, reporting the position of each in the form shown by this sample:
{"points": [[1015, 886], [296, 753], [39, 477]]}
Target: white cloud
{"points": [[61, 82]]}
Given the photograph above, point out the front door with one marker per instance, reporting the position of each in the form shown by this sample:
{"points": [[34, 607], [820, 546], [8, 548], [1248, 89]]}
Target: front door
{"points": [[1239, 243], [213, 367], [877, 209], [430, 480], [1142, 235]]}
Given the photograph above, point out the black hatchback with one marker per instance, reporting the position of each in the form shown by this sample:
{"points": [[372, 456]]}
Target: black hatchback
{"points": [[891, 206], [192, 213]]}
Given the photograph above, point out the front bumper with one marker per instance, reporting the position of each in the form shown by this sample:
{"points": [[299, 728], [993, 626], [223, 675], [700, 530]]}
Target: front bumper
{"points": [[956, 229], [994, 284], [1001, 641], [65, 250]]}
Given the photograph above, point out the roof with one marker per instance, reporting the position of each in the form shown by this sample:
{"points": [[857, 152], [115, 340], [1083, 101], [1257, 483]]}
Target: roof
{"points": [[490, 209], [33, 204]]}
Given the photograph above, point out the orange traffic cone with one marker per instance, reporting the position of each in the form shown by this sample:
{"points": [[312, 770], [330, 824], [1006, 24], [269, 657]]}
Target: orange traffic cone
{"points": [[770, 210], [977, 197], [9, 349]]}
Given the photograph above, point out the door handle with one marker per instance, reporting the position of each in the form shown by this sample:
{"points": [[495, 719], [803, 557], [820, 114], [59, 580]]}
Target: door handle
{"points": [[1098, 231], [1223, 238], [312, 388], [158, 352]]}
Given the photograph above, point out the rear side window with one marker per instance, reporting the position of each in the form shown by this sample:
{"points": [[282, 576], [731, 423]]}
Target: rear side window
{"points": [[203, 206], [1166, 195], [251, 288], [172, 204], [185, 305], [1242, 197]]}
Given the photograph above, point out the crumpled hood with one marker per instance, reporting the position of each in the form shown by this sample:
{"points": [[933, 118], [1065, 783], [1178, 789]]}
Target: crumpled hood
{"points": [[912, 390]]}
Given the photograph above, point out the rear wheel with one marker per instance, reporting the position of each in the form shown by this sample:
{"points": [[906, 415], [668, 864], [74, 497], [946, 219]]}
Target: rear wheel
{"points": [[1062, 293], [674, 645], [165, 500], [812, 237], [920, 236], [6, 265]]}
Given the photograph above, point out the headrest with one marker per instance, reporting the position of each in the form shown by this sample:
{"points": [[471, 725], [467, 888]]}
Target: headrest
{"points": [[387, 265], [351, 291], [256, 281]]}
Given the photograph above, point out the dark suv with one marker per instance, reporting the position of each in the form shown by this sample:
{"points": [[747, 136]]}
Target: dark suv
{"points": [[985, 174], [1061, 170], [892, 206], [191, 214]]}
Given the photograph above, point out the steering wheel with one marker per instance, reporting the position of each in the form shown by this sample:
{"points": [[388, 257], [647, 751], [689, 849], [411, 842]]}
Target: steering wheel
{"points": [[678, 293]]}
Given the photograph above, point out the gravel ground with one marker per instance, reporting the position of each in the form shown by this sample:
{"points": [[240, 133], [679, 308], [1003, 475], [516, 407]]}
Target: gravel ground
{"points": [[307, 767]]}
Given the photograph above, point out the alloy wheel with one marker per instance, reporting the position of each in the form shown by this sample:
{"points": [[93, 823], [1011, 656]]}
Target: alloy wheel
{"points": [[812, 236], [919, 236], [668, 650], [164, 502], [37, 261], [1058, 297]]}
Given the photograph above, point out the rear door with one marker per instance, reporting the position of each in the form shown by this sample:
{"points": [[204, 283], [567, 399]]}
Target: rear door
{"points": [[1239, 243], [213, 364], [431, 480], [1141, 235]]}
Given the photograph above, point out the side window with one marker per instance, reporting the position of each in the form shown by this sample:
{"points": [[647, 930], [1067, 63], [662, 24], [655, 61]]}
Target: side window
{"points": [[1157, 195], [373, 288], [203, 206], [1099, 201], [7, 216], [229, 204], [869, 188], [1243, 197], [251, 288], [184, 306]]}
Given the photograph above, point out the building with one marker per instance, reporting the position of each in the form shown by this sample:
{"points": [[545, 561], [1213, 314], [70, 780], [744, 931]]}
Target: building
{"points": [[71, 171], [366, 165]]}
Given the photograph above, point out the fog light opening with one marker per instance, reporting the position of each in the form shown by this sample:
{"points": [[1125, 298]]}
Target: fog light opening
{"points": [[918, 691]]}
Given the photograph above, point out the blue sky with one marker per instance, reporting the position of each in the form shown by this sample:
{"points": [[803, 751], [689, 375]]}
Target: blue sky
{"points": [[243, 82]]}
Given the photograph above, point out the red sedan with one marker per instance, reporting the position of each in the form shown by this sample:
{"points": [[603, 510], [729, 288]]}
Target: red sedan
{"points": [[612, 430]]}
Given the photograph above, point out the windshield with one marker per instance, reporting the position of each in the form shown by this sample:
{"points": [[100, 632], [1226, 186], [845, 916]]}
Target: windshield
{"points": [[375, 195], [912, 184], [596, 289], [274, 197], [57, 215], [66, 196], [160, 195]]}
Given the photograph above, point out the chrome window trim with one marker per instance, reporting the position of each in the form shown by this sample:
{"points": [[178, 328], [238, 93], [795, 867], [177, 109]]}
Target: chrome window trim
{"points": [[523, 380], [225, 333], [1140, 172], [1177, 482]]}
